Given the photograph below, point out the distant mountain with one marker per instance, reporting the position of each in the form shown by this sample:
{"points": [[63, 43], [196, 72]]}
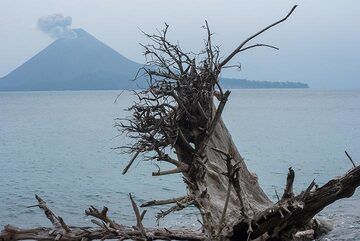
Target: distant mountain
{"points": [[254, 84], [81, 63], [85, 63]]}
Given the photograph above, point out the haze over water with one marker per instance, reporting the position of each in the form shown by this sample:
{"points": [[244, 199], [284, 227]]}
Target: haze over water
{"points": [[58, 145]]}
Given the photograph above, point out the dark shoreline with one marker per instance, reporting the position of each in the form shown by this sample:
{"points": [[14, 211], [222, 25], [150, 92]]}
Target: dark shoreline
{"points": [[231, 83]]}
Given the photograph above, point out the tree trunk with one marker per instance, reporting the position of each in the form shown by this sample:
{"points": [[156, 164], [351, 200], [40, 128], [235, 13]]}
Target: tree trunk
{"points": [[211, 191]]}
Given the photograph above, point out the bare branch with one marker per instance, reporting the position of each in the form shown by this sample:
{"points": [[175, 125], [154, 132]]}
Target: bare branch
{"points": [[288, 192], [347, 154], [214, 122], [238, 49], [139, 224], [172, 171], [163, 202], [179, 206], [258, 45], [130, 163], [57, 221], [94, 212]]}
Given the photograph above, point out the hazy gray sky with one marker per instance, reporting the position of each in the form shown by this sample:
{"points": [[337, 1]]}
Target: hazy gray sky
{"points": [[319, 44]]}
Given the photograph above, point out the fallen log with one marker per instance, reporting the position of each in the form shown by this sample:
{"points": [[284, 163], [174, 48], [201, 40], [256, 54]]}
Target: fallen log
{"points": [[107, 229]]}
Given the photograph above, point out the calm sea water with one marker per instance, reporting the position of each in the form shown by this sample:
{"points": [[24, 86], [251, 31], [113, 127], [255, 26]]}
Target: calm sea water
{"points": [[58, 145]]}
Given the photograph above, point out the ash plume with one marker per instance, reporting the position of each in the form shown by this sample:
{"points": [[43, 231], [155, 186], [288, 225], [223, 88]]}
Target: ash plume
{"points": [[56, 26]]}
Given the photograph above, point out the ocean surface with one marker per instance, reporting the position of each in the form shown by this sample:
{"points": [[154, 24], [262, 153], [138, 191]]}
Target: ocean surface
{"points": [[59, 145]]}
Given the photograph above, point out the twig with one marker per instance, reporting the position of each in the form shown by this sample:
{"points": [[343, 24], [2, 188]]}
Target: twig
{"points": [[308, 190], [130, 163], [139, 224], [179, 206], [57, 221], [238, 49], [167, 172], [63, 224], [94, 212], [347, 154], [162, 202], [277, 195], [222, 219], [288, 192], [214, 122], [259, 45]]}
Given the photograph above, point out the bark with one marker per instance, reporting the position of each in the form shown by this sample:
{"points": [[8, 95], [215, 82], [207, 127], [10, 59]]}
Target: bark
{"points": [[107, 228], [90, 233], [210, 192]]}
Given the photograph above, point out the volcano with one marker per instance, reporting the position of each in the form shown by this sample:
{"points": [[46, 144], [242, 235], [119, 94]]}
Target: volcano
{"points": [[81, 63], [85, 63]]}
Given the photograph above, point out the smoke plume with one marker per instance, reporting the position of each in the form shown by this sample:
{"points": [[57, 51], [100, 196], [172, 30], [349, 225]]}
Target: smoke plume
{"points": [[57, 26]]}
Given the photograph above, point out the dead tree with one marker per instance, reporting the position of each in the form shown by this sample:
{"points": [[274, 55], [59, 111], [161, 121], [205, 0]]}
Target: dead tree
{"points": [[177, 120]]}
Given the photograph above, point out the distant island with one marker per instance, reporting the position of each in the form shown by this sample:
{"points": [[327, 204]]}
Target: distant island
{"points": [[255, 84], [85, 63]]}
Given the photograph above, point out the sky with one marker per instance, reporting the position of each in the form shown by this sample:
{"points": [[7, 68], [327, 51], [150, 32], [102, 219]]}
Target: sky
{"points": [[319, 44]]}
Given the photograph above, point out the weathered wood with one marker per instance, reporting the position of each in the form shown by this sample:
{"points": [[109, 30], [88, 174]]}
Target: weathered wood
{"points": [[288, 193], [285, 218], [240, 47], [139, 224], [210, 192], [108, 229], [163, 202], [184, 203], [130, 163], [87, 233], [350, 158]]}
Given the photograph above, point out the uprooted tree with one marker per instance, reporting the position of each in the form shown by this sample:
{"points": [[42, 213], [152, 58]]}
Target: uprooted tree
{"points": [[177, 120]]}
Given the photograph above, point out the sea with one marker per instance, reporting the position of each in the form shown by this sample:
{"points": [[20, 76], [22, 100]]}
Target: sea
{"points": [[62, 146]]}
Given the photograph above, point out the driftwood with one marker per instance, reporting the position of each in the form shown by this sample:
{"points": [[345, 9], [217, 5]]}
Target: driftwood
{"points": [[177, 120], [106, 228]]}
